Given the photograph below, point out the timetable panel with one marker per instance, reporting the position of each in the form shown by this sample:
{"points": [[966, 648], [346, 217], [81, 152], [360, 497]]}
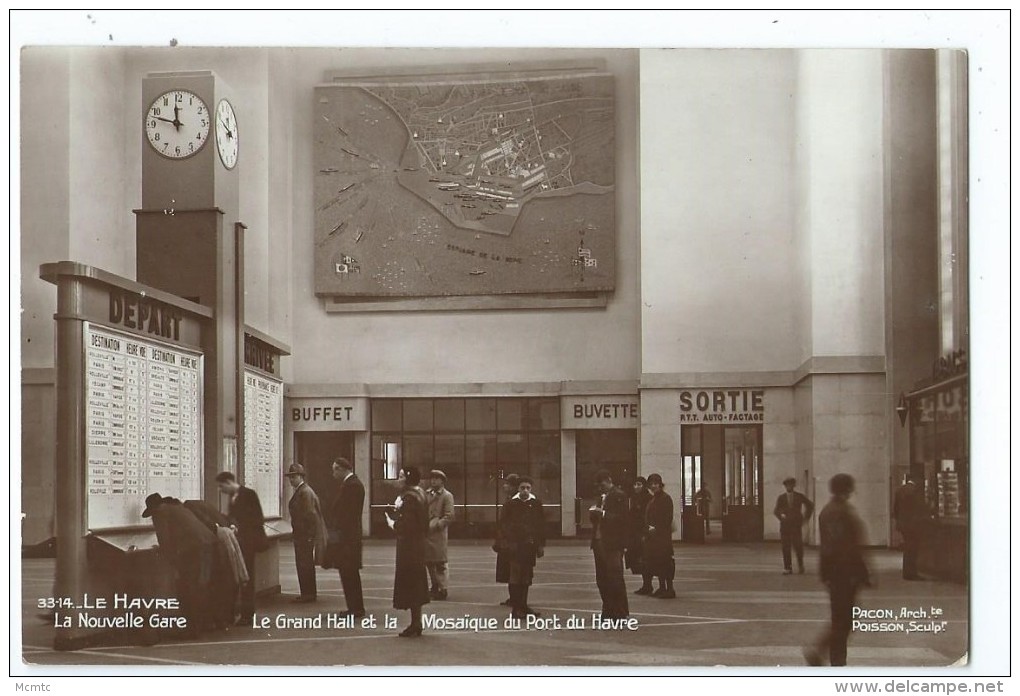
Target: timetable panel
{"points": [[263, 438], [143, 419]]}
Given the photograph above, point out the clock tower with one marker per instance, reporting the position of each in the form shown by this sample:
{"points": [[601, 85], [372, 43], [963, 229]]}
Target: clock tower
{"points": [[190, 241]]}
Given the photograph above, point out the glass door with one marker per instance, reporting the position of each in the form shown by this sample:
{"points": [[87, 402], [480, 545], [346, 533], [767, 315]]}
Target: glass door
{"points": [[743, 518]]}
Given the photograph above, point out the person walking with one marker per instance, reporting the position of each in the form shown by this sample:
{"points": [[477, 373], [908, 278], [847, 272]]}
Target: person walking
{"points": [[609, 519], [792, 510], [343, 535], [246, 519], [843, 570], [440, 508], [635, 541], [409, 521], [658, 551], [911, 513], [308, 532], [523, 529]]}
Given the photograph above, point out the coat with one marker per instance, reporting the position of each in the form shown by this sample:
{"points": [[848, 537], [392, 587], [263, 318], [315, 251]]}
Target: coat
{"points": [[909, 509], [841, 533], [411, 524], [792, 516], [440, 508], [306, 520], [180, 534], [658, 549], [636, 530], [246, 515], [522, 530], [343, 526], [612, 525]]}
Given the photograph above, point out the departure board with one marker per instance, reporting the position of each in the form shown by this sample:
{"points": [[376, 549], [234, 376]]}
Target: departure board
{"points": [[143, 421], [263, 438]]}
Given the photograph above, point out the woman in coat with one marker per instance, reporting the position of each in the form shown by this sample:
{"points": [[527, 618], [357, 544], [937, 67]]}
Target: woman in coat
{"points": [[658, 547], [410, 522], [635, 542]]}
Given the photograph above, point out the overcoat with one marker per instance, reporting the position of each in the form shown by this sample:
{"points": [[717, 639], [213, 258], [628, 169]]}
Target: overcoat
{"points": [[658, 550], [440, 507], [410, 579], [343, 526], [306, 520]]}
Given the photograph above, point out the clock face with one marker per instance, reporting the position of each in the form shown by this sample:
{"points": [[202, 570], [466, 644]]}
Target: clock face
{"points": [[177, 124], [226, 133]]}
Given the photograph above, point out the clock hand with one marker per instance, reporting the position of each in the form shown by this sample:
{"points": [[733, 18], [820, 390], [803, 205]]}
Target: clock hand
{"points": [[176, 122], [230, 133], [160, 118]]}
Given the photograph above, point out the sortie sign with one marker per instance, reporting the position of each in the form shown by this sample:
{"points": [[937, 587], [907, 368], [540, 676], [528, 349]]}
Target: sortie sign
{"points": [[722, 406]]}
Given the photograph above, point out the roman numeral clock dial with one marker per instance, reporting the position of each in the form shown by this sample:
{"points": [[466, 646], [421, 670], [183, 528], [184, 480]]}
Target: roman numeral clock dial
{"points": [[226, 133], [177, 124]]}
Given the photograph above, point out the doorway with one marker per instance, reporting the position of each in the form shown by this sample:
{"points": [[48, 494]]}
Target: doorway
{"points": [[315, 451], [721, 480], [614, 450]]}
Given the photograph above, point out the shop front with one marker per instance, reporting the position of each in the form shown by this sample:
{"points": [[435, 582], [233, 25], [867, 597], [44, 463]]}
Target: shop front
{"points": [[939, 421], [604, 432], [722, 475], [318, 430]]}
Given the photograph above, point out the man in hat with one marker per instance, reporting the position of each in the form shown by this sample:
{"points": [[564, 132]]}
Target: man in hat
{"points": [[189, 547], [440, 509], [501, 545], [309, 532], [792, 509], [911, 514], [344, 529], [248, 522], [608, 539]]}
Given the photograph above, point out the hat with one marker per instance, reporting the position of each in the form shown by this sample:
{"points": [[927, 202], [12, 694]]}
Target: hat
{"points": [[437, 473], [789, 479], [151, 503], [296, 470]]}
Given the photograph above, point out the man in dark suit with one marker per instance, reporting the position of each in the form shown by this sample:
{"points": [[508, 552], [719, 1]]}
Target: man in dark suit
{"points": [[910, 512], [343, 527], [308, 532], [248, 523], [842, 567], [792, 509], [608, 540], [189, 547]]}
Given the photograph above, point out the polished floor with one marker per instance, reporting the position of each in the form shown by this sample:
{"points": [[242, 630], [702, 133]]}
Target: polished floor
{"points": [[733, 607]]}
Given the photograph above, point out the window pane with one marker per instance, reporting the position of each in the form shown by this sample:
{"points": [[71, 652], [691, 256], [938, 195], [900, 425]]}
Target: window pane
{"points": [[483, 482], [480, 414], [543, 414], [418, 452], [450, 458], [449, 415], [418, 415], [512, 453], [544, 466], [386, 414], [690, 436], [510, 414], [384, 467]]}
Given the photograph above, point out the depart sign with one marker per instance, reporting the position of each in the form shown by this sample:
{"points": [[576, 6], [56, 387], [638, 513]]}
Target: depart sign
{"points": [[722, 406]]}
